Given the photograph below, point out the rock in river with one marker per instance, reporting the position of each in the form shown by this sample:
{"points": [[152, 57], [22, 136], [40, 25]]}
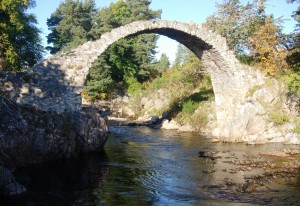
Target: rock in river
{"points": [[29, 136]]}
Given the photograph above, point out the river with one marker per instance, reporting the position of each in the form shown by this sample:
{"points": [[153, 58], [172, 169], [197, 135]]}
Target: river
{"points": [[142, 166]]}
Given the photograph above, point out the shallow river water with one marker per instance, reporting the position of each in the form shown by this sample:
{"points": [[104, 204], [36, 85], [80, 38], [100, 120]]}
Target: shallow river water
{"points": [[142, 166]]}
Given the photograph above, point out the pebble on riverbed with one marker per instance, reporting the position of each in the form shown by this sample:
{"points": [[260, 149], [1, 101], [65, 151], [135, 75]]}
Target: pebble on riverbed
{"points": [[257, 171], [209, 155]]}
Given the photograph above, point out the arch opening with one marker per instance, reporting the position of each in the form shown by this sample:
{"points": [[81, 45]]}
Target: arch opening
{"points": [[230, 80]]}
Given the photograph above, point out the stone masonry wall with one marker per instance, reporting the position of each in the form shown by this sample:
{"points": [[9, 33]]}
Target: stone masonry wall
{"points": [[55, 84]]}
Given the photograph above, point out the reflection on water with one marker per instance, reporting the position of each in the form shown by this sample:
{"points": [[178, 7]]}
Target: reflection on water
{"points": [[141, 166]]}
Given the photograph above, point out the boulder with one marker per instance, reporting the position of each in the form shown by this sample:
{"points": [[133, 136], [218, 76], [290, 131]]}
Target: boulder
{"points": [[165, 115], [292, 138], [170, 125], [186, 128], [154, 120], [29, 136]]}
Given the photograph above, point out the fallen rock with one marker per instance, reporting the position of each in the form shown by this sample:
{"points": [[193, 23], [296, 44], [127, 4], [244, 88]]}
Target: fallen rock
{"points": [[209, 155]]}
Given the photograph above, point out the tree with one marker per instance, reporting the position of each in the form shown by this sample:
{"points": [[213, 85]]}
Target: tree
{"points": [[163, 64], [236, 22], [182, 55], [129, 58], [70, 24], [99, 81], [140, 10], [293, 57], [20, 43], [76, 21], [269, 52], [252, 34]]}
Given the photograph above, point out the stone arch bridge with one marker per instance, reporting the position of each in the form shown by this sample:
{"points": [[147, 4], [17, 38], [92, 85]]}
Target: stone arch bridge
{"points": [[55, 84]]}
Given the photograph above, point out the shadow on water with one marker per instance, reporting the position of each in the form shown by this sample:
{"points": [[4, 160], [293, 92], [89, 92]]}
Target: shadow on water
{"points": [[60, 182], [141, 166]]}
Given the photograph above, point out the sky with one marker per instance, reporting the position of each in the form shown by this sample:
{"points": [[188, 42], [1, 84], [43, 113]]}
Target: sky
{"points": [[180, 10]]}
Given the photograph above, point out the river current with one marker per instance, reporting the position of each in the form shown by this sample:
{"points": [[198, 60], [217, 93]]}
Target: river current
{"points": [[142, 166]]}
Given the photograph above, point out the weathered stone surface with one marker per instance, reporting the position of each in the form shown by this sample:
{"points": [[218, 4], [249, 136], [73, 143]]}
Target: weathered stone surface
{"points": [[154, 120], [6, 177], [292, 138], [8, 184], [186, 128], [29, 136], [55, 84], [172, 125], [91, 130]]}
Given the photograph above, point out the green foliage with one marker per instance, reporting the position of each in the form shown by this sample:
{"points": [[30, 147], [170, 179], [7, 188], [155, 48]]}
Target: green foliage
{"points": [[293, 58], [236, 22], [162, 65], [189, 106], [278, 117], [252, 90], [169, 78], [75, 22], [292, 80], [70, 24], [120, 57], [254, 36], [297, 129], [181, 55], [98, 89], [245, 59], [185, 77], [198, 119], [99, 84], [269, 54], [134, 87], [20, 43]]}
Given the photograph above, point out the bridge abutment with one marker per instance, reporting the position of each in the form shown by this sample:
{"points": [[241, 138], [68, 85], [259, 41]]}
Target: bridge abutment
{"points": [[55, 84]]}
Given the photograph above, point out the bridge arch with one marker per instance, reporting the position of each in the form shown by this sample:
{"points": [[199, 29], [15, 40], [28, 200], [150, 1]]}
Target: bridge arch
{"points": [[230, 79]]}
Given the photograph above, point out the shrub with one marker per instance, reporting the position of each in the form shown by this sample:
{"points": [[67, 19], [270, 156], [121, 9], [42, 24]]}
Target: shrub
{"points": [[292, 80], [252, 90], [297, 129], [278, 118], [199, 119], [189, 106], [133, 85]]}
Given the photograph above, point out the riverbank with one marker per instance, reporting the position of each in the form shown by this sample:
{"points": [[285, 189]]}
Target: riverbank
{"points": [[144, 166], [29, 136]]}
